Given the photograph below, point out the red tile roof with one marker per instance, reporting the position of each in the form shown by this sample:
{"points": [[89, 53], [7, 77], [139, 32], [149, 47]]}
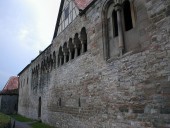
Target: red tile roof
{"points": [[12, 84], [82, 4]]}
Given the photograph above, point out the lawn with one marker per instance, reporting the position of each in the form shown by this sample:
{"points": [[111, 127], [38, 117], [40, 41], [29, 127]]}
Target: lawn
{"points": [[4, 120], [34, 124], [21, 118]]}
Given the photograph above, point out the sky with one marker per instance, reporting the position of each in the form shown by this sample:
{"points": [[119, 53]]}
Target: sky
{"points": [[26, 27]]}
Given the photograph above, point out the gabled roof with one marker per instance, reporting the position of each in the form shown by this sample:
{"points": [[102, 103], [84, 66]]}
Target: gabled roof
{"points": [[81, 5], [12, 84]]}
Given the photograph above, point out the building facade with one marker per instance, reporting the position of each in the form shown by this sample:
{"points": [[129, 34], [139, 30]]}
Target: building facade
{"points": [[108, 66], [9, 96]]}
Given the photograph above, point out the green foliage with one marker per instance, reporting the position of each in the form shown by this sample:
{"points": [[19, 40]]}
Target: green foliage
{"points": [[21, 118], [40, 125], [4, 120]]}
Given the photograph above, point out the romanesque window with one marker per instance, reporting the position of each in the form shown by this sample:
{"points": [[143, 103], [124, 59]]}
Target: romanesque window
{"points": [[50, 62], [127, 15], [54, 59], [60, 57], [77, 44], [66, 53], [119, 26], [71, 49], [41, 67], [59, 102], [115, 25], [79, 103], [84, 40], [39, 107]]}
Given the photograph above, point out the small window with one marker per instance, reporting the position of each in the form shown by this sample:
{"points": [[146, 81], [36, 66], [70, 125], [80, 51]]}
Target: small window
{"points": [[79, 102], [59, 102], [115, 24], [66, 12], [127, 16]]}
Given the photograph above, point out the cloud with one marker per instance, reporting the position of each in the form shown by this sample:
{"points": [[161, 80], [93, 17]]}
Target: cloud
{"points": [[46, 12], [23, 33], [39, 35]]}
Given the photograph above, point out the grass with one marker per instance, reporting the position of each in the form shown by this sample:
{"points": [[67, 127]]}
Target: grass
{"points": [[33, 125], [21, 118], [40, 125], [4, 120]]}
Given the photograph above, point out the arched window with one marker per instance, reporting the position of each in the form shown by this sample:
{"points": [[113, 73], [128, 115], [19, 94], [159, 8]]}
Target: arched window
{"points": [[119, 26], [77, 44], [71, 49], [127, 15], [59, 102], [79, 103], [66, 53], [42, 67], [54, 59], [84, 39], [48, 64], [60, 57], [115, 25], [45, 65], [51, 62]]}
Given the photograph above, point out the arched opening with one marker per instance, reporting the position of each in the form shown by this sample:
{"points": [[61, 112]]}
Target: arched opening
{"points": [[54, 59], [42, 67], [71, 49], [51, 62], [77, 44], [60, 57], [39, 107], [115, 24], [79, 102], [84, 39], [118, 28], [66, 53], [59, 102], [127, 15], [48, 64]]}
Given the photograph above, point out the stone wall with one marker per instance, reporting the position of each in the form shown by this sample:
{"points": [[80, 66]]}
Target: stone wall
{"points": [[9, 104], [131, 90]]}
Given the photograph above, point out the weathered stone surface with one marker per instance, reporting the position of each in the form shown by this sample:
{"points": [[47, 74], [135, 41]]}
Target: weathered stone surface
{"points": [[88, 91]]}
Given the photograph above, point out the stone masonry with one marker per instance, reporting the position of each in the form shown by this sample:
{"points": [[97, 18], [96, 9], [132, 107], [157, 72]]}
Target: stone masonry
{"points": [[93, 90]]}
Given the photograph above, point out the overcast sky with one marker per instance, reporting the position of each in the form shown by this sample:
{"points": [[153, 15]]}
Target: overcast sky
{"points": [[26, 26]]}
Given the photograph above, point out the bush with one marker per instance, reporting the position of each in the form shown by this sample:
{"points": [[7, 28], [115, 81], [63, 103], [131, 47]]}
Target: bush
{"points": [[4, 121]]}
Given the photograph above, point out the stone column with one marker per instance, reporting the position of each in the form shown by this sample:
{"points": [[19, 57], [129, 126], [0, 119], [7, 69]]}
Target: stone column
{"points": [[118, 4], [60, 59], [76, 51], [70, 56], [65, 57], [82, 44]]}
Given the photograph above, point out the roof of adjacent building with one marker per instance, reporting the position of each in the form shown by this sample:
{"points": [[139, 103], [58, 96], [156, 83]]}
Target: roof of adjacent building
{"points": [[82, 4], [11, 85]]}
